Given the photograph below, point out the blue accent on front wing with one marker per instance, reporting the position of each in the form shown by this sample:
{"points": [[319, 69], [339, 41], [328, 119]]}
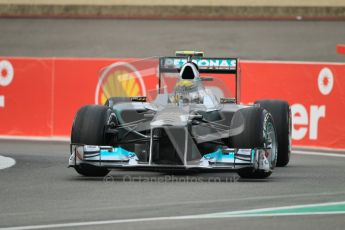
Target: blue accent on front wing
{"points": [[117, 153], [219, 156]]}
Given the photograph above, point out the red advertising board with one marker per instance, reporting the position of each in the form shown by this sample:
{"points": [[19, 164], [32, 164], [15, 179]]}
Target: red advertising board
{"points": [[315, 92], [40, 96], [25, 88]]}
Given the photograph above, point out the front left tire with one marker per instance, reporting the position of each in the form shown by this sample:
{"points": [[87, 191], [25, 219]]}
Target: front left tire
{"points": [[89, 128], [280, 111], [258, 132]]}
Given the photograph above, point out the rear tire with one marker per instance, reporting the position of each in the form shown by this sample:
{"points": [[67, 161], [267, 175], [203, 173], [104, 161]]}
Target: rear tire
{"points": [[280, 111], [89, 128], [255, 119]]}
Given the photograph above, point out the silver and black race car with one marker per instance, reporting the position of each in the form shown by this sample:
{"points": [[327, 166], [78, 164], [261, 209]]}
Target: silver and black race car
{"points": [[187, 127]]}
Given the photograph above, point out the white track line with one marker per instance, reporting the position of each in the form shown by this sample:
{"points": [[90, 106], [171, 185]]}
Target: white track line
{"points": [[6, 162], [192, 202], [233, 214], [313, 153], [253, 211]]}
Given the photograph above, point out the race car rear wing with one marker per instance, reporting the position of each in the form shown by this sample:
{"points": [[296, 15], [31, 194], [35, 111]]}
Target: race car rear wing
{"points": [[210, 65], [206, 65]]}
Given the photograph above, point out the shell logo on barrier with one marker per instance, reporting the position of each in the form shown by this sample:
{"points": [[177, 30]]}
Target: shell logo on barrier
{"points": [[120, 79]]}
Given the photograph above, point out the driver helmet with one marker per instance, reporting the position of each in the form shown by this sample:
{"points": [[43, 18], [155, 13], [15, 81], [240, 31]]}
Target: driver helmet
{"points": [[186, 89]]}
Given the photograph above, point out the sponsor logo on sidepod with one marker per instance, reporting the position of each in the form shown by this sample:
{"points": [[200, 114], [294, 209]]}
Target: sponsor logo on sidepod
{"points": [[120, 79]]}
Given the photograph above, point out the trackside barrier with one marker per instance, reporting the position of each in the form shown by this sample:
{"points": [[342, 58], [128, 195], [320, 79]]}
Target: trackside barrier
{"points": [[40, 96]]}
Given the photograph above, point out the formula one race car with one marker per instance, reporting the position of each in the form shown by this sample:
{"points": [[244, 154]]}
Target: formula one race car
{"points": [[190, 127]]}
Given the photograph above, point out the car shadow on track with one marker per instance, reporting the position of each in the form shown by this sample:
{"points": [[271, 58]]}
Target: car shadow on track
{"points": [[155, 177]]}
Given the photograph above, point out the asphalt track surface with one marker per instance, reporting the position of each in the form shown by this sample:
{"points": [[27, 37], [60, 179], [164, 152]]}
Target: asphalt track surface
{"points": [[272, 40], [40, 190]]}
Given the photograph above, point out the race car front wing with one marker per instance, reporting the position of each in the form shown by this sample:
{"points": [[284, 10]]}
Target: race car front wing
{"points": [[118, 157]]}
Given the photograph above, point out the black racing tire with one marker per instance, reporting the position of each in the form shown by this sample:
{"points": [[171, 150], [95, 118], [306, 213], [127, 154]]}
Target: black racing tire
{"points": [[253, 119], [249, 173], [89, 128], [280, 111]]}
